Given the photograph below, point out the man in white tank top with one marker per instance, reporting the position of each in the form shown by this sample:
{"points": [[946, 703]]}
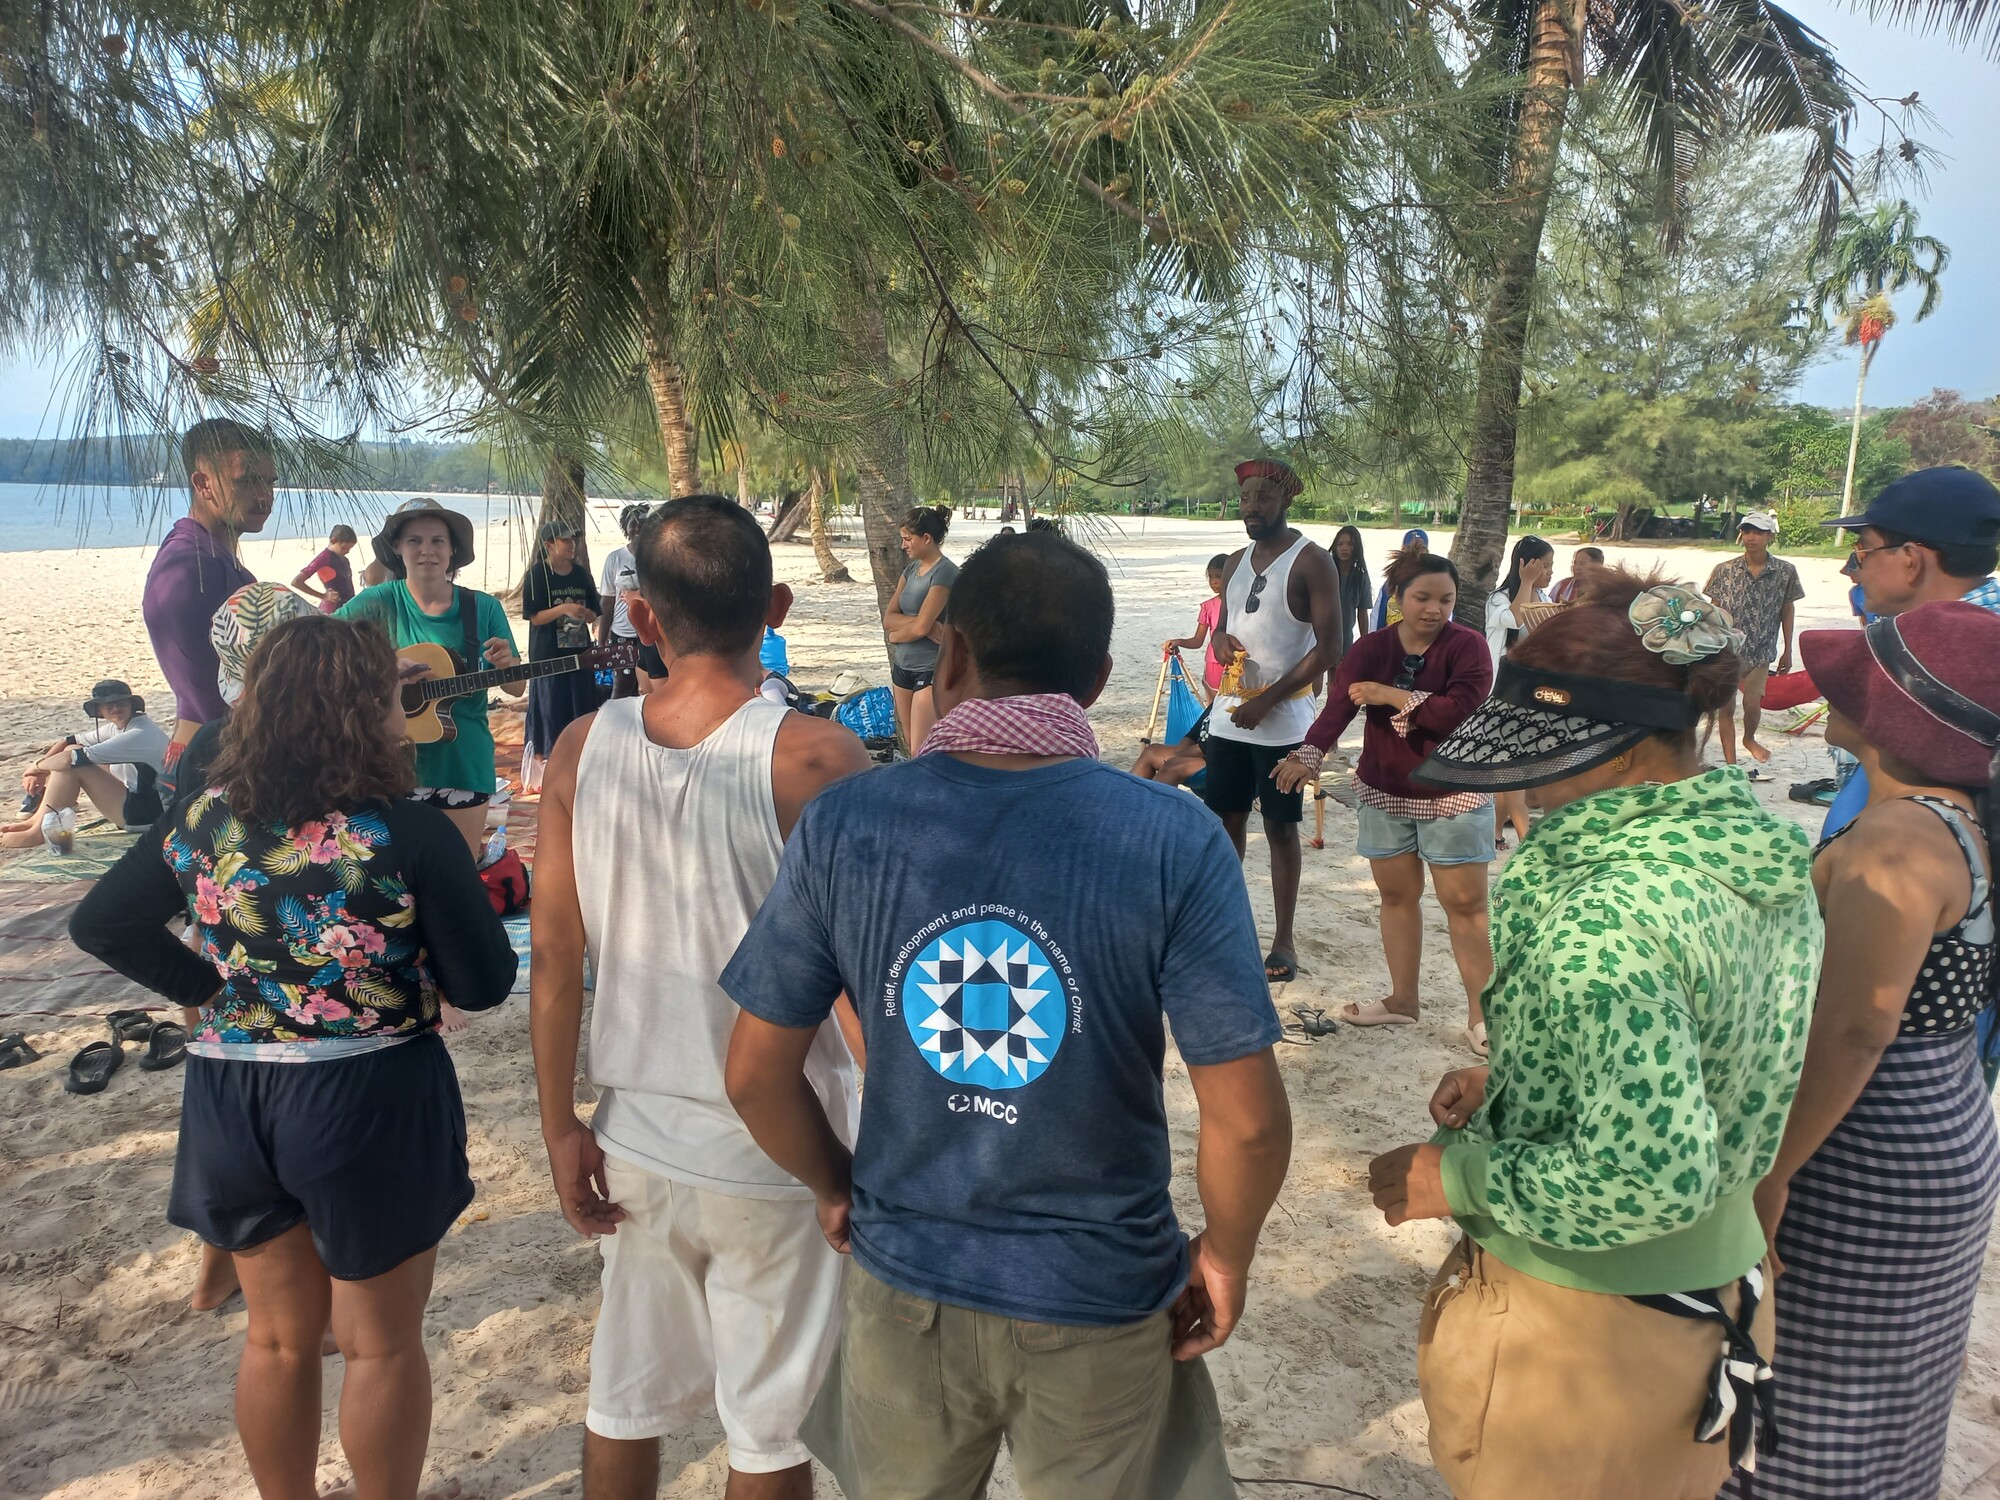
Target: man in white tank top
{"points": [[1279, 633], [663, 820]]}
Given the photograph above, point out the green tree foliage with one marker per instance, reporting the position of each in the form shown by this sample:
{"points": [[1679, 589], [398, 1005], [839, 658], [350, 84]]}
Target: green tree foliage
{"points": [[1945, 428]]}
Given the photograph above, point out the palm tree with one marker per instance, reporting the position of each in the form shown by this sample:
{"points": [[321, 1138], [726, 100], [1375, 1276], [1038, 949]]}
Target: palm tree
{"points": [[1678, 77], [1967, 23], [1871, 255]]}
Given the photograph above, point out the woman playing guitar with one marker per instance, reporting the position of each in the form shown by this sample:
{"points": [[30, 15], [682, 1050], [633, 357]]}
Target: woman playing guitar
{"points": [[423, 545]]}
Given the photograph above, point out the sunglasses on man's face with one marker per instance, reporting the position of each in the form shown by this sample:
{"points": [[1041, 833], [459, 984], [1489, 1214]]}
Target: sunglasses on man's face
{"points": [[1256, 588], [1407, 678]]}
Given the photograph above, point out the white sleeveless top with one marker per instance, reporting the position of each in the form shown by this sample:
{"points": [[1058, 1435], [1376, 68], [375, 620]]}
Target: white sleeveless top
{"points": [[1274, 641], [675, 850]]}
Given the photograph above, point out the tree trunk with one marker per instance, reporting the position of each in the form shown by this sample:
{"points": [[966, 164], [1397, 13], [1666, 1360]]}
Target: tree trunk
{"points": [[831, 568], [670, 402], [743, 496], [1481, 540], [1854, 432], [882, 463], [790, 517]]}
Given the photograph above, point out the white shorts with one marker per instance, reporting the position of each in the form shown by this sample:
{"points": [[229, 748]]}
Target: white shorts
{"points": [[713, 1303]]}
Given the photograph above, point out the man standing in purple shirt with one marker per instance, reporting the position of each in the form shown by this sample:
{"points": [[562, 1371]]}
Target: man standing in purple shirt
{"points": [[231, 472]]}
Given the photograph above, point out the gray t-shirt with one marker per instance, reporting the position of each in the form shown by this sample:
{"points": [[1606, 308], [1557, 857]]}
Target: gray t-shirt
{"points": [[920, 656]]}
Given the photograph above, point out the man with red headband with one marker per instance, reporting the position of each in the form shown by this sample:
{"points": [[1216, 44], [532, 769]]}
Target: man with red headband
{"points": [[1278, 634]]}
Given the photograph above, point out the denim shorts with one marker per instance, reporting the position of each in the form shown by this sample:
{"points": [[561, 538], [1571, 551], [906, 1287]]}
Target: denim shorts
{"points": [[1465, 839]]}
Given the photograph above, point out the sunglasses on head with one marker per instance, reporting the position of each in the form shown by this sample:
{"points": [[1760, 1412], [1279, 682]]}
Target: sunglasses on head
{"points": [[1256, 588], [1407, 678]]}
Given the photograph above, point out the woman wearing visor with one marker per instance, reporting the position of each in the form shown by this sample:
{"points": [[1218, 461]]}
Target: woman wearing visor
{"points": [[1882, 1198], [1602, 1327]]}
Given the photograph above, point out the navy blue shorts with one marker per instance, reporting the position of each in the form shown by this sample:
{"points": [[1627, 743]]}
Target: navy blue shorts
{"points": [[369, 1151]]}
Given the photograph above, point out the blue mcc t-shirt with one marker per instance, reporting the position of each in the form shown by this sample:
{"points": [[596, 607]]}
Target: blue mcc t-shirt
{"points": [[1012, 941]]}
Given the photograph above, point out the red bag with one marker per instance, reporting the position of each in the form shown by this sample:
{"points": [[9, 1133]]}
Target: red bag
{"points": [[507, 884], [1789, 690]]}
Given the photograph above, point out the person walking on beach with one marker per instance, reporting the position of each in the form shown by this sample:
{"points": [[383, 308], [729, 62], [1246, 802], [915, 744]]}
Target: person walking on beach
{"points": [[1205, 620], [1602, 1330], [1415, 682], [1881, 1202], [619, 583], [1008, 1192], [1278, 634], [322, 1137], [561, 606], [719, 1291], [116, 764], [232, 477], [1350, 561], [1760, 592], [422, 544], [911, 619], [329, 577]]}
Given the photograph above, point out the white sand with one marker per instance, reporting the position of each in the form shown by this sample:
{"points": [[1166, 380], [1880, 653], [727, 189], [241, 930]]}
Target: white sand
{"points": [[110, 1388]]}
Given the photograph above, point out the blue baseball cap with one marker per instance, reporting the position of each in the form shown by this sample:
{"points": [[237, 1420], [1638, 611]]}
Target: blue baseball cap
{"points": [[1416, 534], [1947, 505]]}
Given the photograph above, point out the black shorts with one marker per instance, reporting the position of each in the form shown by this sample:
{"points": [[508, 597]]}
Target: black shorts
{"points": [[1240, 775], [651, 662], [911, 682], [449, 798], [369, 1151]]}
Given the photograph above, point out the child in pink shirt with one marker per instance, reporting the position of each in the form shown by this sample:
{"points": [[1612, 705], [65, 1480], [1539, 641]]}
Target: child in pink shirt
{"points": [[1205, 622]]}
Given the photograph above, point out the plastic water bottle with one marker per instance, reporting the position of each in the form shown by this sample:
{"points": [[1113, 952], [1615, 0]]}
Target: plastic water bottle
{"points": [[496, 837], [59, 830]]}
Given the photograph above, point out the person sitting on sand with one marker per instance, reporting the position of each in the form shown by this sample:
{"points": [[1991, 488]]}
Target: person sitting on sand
{"points": [[1760, 592], [423, 545], [1603, 1328], [329, 577], [116, 764], [1009, 1190], [322, 1139], [1415, 681], [232, 475], [1179, 763], [719, 1291]]}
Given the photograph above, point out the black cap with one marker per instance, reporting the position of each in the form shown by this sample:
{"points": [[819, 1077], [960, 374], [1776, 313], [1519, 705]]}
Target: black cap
{"points": [[1947, 505]]}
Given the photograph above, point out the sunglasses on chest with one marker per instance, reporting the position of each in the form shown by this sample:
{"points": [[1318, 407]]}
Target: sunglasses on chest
{"points": [[1251, 604], [1407, 678]]}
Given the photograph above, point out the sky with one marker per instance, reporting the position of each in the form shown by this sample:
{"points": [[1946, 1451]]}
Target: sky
{"points": [[1957, 347]]}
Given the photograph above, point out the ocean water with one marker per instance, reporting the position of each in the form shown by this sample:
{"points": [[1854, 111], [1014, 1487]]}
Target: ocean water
{"points": [[38, 518]]}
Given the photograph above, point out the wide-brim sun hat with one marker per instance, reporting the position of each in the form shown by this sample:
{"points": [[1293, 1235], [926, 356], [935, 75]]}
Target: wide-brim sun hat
{"points": [[240, 622], [110, 690], [1922, 687], [423, 507]]}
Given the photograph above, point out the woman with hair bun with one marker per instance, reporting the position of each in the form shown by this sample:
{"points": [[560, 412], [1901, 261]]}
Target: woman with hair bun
{"points": [[1881, 1202], [911, 620], [1602, 1328]]}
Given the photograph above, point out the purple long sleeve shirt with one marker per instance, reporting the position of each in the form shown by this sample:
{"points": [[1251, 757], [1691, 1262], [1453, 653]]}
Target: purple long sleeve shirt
{"points": [[191, 577]]}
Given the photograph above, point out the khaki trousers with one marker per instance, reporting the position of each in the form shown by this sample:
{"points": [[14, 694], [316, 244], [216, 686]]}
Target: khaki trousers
{"points": [[921, 1394], [1539, 1392]]}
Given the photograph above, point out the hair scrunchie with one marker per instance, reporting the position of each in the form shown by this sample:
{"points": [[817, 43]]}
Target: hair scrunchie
{"points": [[1680, 626]]}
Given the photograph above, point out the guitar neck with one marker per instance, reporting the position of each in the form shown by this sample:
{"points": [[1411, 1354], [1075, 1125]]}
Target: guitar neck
{"points": [[479, 682]]}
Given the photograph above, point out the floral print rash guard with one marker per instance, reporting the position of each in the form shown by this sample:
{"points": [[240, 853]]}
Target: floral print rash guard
{"points": [[354, 924]]}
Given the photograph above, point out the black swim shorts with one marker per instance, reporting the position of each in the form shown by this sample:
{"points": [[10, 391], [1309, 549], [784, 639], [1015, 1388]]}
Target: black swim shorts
{"points": [[911, 682], [1240, 775]]}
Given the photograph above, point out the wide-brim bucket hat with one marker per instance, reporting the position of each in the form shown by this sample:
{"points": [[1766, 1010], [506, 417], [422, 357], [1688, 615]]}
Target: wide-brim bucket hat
{"points": [[1922, 686], [423, 507], [110, 690], [240, 622]]}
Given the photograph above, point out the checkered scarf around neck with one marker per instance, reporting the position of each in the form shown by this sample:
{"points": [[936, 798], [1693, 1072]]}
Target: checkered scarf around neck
{"points": [[1033, 724]]}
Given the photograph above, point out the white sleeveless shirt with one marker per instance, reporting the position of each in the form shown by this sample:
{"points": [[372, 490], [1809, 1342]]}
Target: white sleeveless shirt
{"points": [[675, 850], [1274, 641]]}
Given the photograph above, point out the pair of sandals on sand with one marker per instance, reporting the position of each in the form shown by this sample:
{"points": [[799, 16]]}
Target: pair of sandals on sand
{"points": [[1316, 1022], [91, 1069]]}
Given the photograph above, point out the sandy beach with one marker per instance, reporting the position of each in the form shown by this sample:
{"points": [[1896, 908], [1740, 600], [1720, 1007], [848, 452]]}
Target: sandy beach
{"points": [[112, 1389]]}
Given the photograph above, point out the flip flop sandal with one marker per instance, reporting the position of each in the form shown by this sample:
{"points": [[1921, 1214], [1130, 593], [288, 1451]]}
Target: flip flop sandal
{"points": [[1288, 966], [91, 1069], [1314, 1021], [166, 1047], [1374, 1013], [1758, 773], [15, 1051], [1475, 1038], [130, 1025]]}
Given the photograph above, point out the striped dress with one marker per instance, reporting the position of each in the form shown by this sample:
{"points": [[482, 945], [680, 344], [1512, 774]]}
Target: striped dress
{"points": [[1882, 1242]]}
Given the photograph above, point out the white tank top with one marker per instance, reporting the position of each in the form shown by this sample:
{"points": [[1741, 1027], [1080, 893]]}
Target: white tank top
{"points": [[675, 850], [1275, 640]]}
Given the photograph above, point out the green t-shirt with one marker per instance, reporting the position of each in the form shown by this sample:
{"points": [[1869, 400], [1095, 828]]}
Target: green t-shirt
{"points": [[465, 763]]}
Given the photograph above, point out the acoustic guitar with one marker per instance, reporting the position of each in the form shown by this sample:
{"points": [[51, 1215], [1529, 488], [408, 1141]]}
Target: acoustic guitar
{"points": [[424, 702]]}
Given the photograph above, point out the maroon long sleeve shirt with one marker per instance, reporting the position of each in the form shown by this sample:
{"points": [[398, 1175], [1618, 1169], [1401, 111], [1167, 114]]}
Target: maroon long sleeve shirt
{"points": [[1457, 673]]}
